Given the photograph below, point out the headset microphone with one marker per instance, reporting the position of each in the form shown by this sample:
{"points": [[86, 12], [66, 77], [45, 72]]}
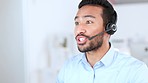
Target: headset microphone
{"points": [[112, 29], [101, 33]]}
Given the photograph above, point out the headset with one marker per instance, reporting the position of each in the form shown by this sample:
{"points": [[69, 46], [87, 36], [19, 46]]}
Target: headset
{"points": [[111, 27]]}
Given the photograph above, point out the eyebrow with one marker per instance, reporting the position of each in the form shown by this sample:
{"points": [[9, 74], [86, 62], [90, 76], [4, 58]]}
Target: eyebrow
{"points": [[86, 16]]}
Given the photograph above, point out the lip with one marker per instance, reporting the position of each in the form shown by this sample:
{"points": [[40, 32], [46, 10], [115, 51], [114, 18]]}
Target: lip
{"points": [[81, 40]]}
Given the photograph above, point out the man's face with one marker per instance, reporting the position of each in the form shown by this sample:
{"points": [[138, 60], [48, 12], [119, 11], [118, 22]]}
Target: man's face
{"points": [[88, 22]]}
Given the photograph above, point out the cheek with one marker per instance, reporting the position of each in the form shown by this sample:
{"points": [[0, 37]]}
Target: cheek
{"points": [[94, 31], [75, 31], [98, 29]]}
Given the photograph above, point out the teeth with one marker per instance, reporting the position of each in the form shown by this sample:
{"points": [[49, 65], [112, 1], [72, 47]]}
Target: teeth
{"points": [[81, 39]]}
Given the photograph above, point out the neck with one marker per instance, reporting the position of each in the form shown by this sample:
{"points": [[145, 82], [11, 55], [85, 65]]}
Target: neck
{"points": [[97, 55]]}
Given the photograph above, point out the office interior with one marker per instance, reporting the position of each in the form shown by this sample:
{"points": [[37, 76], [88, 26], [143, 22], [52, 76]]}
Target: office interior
{"points": [[36, 36]]}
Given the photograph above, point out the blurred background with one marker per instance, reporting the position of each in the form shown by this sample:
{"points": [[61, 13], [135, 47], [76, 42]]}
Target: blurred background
{"points": [[36, 36]]}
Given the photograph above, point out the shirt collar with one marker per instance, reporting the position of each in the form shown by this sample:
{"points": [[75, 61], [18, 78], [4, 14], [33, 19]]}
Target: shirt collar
{"points": [[108, 57]]}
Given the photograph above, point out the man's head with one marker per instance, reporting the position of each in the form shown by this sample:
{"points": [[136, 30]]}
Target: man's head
{"points": [[92, 18]]}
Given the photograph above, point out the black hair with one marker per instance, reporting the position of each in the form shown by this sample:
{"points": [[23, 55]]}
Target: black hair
{"points": [[109, 14]]}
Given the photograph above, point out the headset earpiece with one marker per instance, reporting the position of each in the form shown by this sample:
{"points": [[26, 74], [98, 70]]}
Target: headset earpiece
{"points": [[111, 28]]}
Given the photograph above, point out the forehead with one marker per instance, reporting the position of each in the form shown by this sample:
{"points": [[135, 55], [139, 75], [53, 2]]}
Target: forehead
{"points": [[88, 10]]}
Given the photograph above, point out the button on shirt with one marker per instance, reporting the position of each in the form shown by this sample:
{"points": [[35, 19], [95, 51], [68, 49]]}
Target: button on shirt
{"points": [[114, 67]]}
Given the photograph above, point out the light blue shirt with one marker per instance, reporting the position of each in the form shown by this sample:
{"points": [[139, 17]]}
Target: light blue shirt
{"points": [[114, 67]]}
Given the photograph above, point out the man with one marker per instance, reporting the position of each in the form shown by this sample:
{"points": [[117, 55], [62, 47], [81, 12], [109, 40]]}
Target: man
{"points": [[99, 62]]}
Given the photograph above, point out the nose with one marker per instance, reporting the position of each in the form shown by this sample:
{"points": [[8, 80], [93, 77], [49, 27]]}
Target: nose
{"points": [[80, 29]]}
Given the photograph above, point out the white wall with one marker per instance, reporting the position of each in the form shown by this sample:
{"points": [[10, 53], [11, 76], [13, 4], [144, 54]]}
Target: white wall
{"points": [[11, 42], [46, 20], [132, 20]]}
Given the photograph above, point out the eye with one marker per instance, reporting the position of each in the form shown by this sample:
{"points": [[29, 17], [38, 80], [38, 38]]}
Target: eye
{"points": [[89, 22], [76, 23]]}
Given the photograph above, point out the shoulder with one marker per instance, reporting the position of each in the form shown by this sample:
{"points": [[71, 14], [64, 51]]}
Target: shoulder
{"points": [[74, 60], [131, 66], [69, 66], [127, 61]]}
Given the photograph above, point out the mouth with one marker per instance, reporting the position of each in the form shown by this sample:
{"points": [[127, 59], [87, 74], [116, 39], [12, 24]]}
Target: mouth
{"points": [[81, 40]]}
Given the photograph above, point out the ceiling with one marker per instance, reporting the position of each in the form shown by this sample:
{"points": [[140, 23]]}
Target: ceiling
{"points": [[128, 1]]}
